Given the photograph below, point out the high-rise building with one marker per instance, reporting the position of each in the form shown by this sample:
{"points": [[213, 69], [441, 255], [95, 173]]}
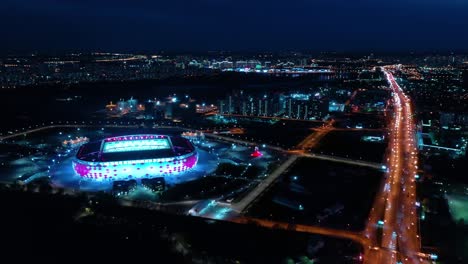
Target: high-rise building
{"points": [[222, 107], [259, 113], [298, 113], [150, 109], [168, 110], [318, 108], [280, 105], [297, 106], [185, 111], [302, 107], [133, 104], [230, 105], [464, 77], [122, 105], [251, 106], [447, 119]]}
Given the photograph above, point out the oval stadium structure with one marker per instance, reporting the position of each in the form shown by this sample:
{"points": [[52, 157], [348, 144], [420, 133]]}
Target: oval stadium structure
{"points": [[135, 157]]}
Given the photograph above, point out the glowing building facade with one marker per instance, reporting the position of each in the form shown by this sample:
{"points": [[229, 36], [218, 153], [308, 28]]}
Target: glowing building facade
{"points": [[135, 157]]}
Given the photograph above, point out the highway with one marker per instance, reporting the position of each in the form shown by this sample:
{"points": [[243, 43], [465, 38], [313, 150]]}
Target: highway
{"points": [[395, 203], [407, 218]]}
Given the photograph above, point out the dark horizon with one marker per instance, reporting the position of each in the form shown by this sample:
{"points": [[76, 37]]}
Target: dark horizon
{"points": [[50, 26], [355, 53]]}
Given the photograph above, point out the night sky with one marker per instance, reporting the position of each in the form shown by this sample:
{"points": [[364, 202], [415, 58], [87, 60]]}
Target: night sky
{"points": [[238, 25]]}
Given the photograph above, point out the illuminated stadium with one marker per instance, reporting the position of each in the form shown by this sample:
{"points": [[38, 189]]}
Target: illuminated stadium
{"points": [[135, 157]]}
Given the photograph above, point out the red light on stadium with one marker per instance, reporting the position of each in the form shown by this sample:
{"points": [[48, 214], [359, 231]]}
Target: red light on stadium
{"points": [[256, 153]]}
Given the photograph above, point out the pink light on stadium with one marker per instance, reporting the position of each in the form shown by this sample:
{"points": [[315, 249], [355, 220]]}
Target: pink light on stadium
{"points": [[155, 158], [81, 169]]}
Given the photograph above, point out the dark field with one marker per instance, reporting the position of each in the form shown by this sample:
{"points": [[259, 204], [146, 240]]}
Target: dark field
{"points": [[311, 186], [349, 144]]}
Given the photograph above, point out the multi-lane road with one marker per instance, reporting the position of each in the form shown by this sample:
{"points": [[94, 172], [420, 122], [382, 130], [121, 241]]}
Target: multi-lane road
{"points": [[393, 222], [407, 219], [313, 139]]}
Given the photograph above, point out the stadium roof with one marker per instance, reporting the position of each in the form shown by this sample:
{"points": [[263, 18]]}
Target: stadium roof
{"points": [[143, 147]]}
